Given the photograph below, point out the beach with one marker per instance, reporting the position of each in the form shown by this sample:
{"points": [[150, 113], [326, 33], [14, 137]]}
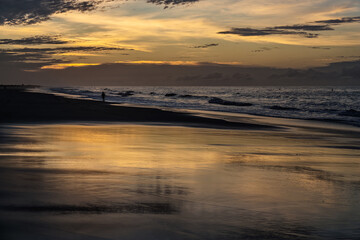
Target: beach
{"points": [[81, 169], [19, 106]]}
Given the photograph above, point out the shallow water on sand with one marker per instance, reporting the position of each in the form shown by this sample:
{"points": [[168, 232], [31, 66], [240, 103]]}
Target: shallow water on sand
{"points": [[163, 182]]}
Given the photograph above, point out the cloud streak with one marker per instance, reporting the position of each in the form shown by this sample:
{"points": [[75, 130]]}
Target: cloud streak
{"points": [[206, 45], [304, 27], [320, 48], [35, 58], [266, 31], [168, 3], [27, 61], [263, 49], [297, 29], [340, 20], [65, 49], [36, 40]]}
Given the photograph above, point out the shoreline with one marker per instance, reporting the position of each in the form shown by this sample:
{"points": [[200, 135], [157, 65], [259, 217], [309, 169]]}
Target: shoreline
{"points": [[22, 107], [349, 114]]}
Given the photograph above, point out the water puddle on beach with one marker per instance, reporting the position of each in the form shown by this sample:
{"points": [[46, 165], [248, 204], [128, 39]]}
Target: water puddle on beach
{"points": [[164, 182]]}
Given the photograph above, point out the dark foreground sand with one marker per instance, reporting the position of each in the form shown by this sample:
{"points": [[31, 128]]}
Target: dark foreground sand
{"points": [[18, 106]]}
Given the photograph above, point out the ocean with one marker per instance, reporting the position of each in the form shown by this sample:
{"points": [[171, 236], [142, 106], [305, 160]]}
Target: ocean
{"points": [[340, 104]]}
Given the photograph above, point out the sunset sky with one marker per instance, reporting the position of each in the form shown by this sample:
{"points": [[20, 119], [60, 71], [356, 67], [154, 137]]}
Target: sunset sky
{"points": [[53, 35]]}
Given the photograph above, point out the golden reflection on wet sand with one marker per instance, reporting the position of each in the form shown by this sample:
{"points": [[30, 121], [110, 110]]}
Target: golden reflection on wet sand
{"points": [[133, 181]]}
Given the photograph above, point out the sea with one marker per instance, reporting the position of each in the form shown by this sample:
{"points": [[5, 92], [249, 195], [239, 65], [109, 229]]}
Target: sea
{"points": [[339, 104]]}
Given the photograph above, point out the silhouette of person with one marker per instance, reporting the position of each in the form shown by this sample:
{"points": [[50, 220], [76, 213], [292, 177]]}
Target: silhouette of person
{"points": [[103, 96]]}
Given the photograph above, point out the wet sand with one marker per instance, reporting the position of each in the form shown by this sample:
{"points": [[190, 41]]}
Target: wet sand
{"points": [[86, 180]]}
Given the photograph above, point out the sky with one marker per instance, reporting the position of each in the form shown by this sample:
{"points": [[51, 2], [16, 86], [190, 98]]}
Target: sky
{"points": [[48, 41]]}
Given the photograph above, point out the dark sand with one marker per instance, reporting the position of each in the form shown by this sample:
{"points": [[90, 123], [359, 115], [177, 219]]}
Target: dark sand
{"points": [[18, 106]]}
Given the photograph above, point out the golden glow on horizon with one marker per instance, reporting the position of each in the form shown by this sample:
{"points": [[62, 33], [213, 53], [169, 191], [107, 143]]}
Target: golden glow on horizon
{"points": [[160, 62], [76, 54], [173, 63], [67, 65], [194, 63]]}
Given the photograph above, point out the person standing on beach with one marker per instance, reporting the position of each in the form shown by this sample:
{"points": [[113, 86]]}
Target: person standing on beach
{"points": [[103, 96]]}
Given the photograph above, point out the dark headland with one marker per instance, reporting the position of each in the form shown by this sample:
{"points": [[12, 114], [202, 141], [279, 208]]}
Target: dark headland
{"points": [[21, 106]]}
